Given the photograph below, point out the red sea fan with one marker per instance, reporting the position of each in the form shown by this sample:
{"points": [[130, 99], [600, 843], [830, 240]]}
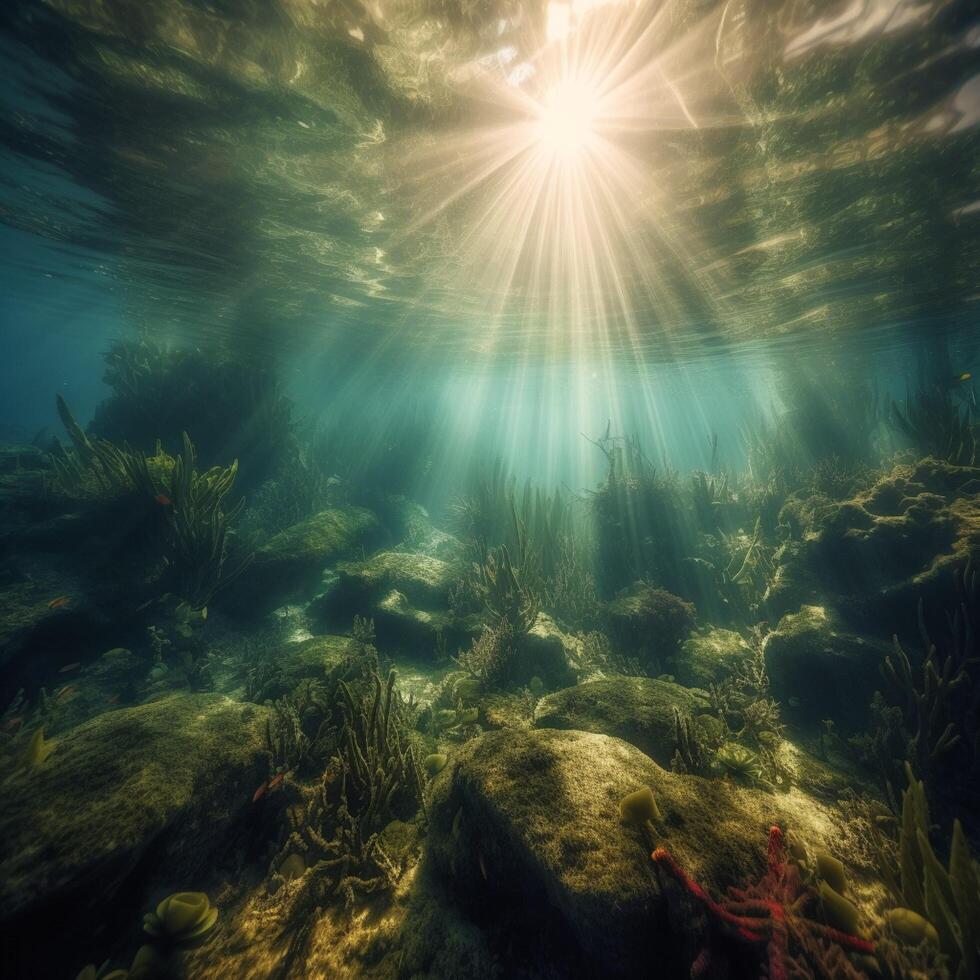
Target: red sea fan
{"points": [[771, 915]]}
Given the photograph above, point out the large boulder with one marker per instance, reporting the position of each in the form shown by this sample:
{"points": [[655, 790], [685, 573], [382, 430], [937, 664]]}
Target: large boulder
{"points": [[550, 653], [649, 623], [819, 669], [314, 659], [639, 710], [291, 563], [422, 579], [872, 557], [525, 836], [156, 792], [709, 656]]}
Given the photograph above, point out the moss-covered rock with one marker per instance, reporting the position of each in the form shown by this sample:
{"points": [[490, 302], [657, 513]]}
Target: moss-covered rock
{"points": [[819, 669], [141, 797], [314, 659], [526, 836], [872, 557], [639, 710], [649, 623], [548, 652], [709, 656], [291, 563], [422, 579]]}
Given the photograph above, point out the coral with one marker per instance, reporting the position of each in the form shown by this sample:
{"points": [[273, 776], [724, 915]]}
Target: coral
{"points": [[640, 807], [771, 918], [434, 764], [738, 762], [947, 897], [184, 920]]}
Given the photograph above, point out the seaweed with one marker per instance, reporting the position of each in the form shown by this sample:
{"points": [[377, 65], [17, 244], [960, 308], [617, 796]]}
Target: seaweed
{"points": [[193, 531], [935, 425], [929, 713], [300, 732], [946, 896], [372, 779]]}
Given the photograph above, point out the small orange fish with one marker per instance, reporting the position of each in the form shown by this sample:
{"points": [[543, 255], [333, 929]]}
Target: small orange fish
{"points": [[12, 724], [70, 667], [66, 692], [260, 792], [62, 600], [276, 780], [163, 500]]}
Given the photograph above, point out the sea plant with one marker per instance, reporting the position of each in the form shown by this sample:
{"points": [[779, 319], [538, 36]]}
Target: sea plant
{"points": [[299, 732], [372, 779], [182, 921], [947, 896], [692, 748], [928, 713], [936, 425], [193, 535]]}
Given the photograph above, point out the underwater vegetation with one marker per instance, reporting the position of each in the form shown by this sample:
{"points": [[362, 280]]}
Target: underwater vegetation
{"points": [[947, 899], [181, 507], [420, 727]]}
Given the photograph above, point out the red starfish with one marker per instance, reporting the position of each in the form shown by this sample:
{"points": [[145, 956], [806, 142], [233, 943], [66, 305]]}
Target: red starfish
{"points": [[772, 911]]}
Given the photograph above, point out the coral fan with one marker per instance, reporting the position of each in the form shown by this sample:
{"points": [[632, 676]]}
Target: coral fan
{"points": [[772, 913]]}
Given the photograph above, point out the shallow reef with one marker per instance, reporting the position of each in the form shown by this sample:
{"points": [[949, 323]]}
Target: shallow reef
{"points": [[356, 738]]}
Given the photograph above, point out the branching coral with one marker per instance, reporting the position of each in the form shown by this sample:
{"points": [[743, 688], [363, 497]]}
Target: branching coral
{"points": [[772, 919]]}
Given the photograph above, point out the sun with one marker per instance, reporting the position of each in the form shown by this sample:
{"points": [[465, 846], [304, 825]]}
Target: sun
{"points": [[566, 124]]}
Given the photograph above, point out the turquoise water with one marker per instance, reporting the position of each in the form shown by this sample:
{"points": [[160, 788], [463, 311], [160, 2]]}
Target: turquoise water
{"points": [[451, 452]]}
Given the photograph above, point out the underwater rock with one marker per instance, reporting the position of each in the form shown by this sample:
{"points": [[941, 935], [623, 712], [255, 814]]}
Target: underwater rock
{"points": [[548, 653], [425, 581], [42, 615], [409, 522], [292, 561], [639, 710], [139, 798], [872, 557], [23, 482], [819, 669], [22, 459], [313, 659], [649, 623], [709, 656], [526, 832]]}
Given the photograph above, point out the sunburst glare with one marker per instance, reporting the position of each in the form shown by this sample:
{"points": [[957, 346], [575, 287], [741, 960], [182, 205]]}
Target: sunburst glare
{"points": [[557, 198]]}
